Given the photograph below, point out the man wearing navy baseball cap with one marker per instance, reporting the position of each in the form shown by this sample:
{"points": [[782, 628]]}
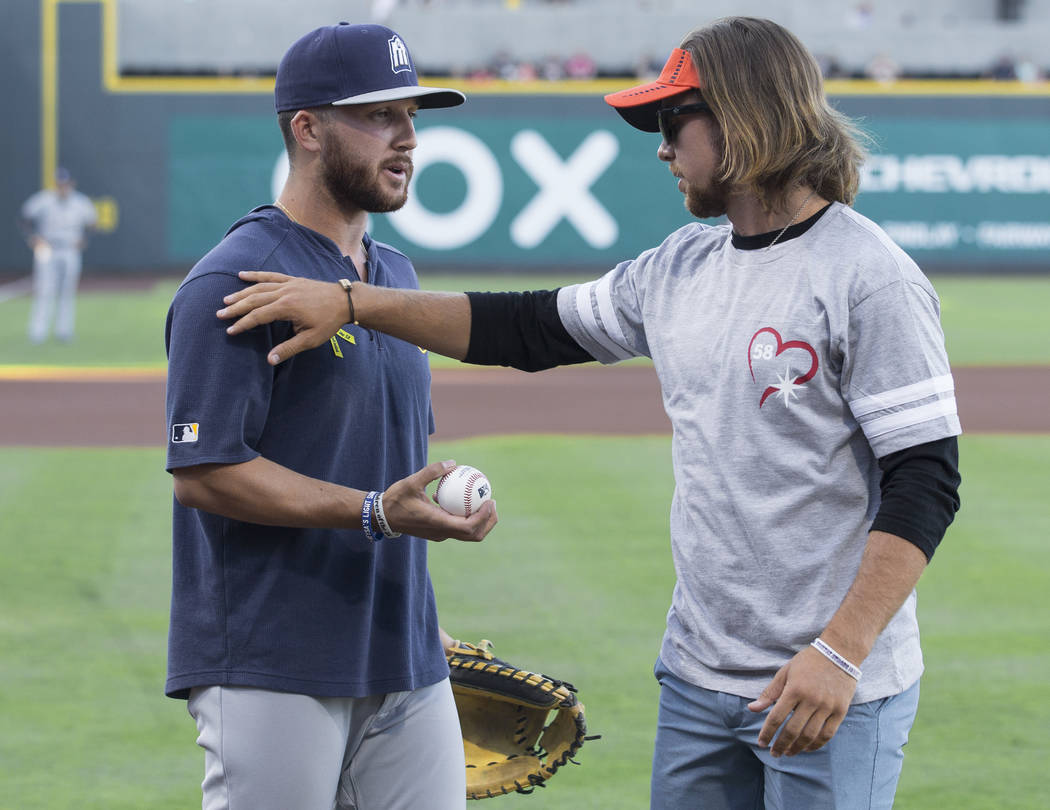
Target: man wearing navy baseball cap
{"points": [[304, 630]]}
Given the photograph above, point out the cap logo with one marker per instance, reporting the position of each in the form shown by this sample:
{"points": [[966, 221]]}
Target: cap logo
{"points": [[399, 61]]}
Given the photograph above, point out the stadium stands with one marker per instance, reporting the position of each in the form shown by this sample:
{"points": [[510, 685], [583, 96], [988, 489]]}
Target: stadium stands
{"points": [[529, 38]]}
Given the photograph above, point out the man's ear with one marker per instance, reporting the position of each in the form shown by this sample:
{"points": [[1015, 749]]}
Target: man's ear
{"points": [[306, 127]]}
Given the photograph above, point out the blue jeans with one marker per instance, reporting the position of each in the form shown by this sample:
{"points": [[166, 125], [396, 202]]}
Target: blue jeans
{"points": [[707, 755]]}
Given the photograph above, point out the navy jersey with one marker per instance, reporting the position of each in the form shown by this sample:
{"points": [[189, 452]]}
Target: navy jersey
{"points": [[323, 612]]}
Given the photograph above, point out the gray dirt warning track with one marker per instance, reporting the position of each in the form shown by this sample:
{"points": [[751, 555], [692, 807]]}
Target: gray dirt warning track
{"points": [[471, 402]]}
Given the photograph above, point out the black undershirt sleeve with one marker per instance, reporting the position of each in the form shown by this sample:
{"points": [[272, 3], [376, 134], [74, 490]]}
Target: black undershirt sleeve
{"points": [[520, 329], [920, 493]]}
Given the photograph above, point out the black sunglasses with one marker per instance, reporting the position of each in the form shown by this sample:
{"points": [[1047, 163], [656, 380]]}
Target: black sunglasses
{"points": [[665, 116]]}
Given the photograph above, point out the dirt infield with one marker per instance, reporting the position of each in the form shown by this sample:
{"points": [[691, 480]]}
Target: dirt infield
{"points": [[127, 409]]}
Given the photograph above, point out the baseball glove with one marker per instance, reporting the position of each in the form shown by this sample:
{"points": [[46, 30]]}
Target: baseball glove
{"points": [[503, 711]]}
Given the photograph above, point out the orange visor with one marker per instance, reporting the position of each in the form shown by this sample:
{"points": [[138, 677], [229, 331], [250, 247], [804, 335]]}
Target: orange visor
{"points": [[638, 105]]}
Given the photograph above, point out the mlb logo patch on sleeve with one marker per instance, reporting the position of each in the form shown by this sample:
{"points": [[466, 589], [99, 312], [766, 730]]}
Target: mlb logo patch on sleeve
{"points": [[182, 434]]}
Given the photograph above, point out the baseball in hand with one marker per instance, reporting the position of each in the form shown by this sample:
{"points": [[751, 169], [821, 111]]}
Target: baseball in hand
{"points": [[463, 490]]}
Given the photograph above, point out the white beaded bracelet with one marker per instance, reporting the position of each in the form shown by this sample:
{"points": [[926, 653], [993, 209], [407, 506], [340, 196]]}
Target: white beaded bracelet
{"points": [[384, 527], [850, 669]]}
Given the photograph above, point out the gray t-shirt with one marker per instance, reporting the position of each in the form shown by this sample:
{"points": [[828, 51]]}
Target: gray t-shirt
{"points": [[786, 373]]}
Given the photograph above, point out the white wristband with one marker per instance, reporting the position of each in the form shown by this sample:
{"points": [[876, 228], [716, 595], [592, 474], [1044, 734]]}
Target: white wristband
{"points": [[850, 669], [384, 527]]}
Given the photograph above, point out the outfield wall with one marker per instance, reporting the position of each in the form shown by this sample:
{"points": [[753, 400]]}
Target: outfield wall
{"points": [[512, 181]]}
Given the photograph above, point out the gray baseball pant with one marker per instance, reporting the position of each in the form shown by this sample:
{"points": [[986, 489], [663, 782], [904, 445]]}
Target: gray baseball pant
{"points": [[56, 276], [269, 750]]}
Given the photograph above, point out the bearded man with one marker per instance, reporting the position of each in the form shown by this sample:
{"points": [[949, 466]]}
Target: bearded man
{"points": [[304, 631]]}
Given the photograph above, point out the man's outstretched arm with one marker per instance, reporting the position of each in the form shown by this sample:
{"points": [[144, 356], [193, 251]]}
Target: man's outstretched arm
{"points": [[436, 321], [519, 329]]}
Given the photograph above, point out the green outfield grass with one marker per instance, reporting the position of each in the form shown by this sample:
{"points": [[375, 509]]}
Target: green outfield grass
{"points": [[995, 321], [580, 591], [574, 580], [987, 321]]}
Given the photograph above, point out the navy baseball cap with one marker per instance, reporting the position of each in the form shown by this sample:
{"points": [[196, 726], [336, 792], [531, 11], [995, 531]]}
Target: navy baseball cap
{"points": [[352, 64]]}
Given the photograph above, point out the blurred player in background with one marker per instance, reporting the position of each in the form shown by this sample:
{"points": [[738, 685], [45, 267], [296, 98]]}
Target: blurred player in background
{"points": [[304, 630], [56, 222], [803, 368]]}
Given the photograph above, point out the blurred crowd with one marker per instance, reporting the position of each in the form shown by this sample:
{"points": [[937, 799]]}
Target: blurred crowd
{"points": [[580, 65], [857, 17], [883, 68], [506, 67], [880, 40]]}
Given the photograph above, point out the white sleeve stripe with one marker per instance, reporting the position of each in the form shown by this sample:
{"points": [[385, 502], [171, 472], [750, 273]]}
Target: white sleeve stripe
{"points": [[603, 297], [590, 323], [903, 395], [909, 418]]}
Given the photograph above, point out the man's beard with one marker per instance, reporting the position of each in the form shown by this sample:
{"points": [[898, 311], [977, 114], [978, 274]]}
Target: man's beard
{"points": [[708, 203], [357, 187]]}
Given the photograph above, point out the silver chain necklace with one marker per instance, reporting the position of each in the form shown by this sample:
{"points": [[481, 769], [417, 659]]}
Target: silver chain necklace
{"points": [[792, 220]]}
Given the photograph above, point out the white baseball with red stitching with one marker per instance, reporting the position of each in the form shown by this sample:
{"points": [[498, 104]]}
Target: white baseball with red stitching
{"points": [[463, 490]]}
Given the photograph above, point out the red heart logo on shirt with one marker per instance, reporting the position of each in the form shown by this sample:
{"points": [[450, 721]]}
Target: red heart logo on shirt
{"points": [[782, 346]]}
